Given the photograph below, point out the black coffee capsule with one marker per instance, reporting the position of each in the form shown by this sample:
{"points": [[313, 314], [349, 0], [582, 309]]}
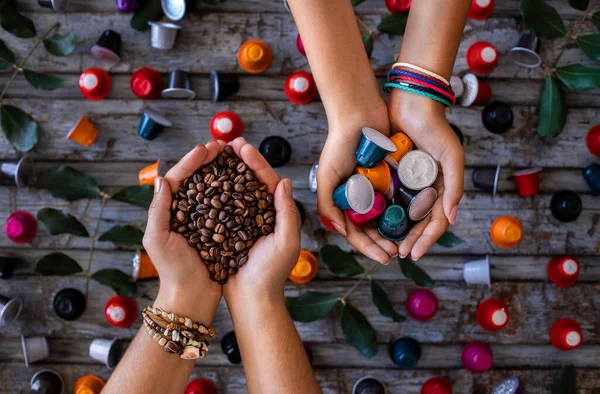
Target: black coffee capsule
{"points": [[276, 150], [69, 304], [108, 47], [486, 178], [497, 117], [230, 347], [301, 211], [566, 206], [223, 85]]}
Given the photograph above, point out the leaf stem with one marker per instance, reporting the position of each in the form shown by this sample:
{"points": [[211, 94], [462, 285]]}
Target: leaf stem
{"points": [[93, 246], [366, 274]]}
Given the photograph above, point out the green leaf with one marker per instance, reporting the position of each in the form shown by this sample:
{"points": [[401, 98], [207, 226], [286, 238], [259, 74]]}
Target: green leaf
{"points": [[449, 240], [59, 222], [579, 77], [61, 45], [358, 331], [7, 57], [356, 2], [68, 183], [543, 19], [57, 264], [135, 195], [44, 81], [596, 19], [566, 381], [339, 262], [117, 280], [15, 23], [123, 235], [581, 5], [368, 43], [415, 273], [393, 24], [151, 11], [310, 306], [590, 45], [383, 304], [19, 128], [553, 109]]}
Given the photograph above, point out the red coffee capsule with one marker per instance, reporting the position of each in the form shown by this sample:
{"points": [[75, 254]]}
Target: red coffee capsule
{"points": [[436, 385], [226, 126], [563, 271], [300, 87], [121, 311], [146, 83], [398, 6], [326, 222], [481, 9], [95, 84], [482, 57], [592, 140], [492, 314], [528, 181], [565, 334], [201, 386], [300, 45]]}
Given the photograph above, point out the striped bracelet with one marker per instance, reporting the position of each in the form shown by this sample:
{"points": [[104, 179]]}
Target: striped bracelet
{"points": [[422, 71], [415, 89], [395, 73]]}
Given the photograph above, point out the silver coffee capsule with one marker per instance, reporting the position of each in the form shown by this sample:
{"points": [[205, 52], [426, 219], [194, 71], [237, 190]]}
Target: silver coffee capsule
{"points": [[312, 177]]}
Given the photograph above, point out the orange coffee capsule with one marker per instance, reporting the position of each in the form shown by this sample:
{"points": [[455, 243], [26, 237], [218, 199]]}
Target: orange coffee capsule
{"points": [[403, 146], [143, 268], [84, 132], [306, 268], [147, 174], [255, 56], [379, 176], [506, 232], [89, 384]]}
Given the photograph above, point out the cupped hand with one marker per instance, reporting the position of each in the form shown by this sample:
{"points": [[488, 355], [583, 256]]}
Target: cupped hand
{"points": [[185, 286], [424, 121]]}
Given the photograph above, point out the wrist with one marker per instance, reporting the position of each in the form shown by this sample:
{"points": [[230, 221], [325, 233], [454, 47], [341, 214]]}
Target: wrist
{"points": [[254, 302], [350, 122], [196, 305]]}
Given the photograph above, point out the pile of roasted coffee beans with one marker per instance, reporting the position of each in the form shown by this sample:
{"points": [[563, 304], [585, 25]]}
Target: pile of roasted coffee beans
{"points": [[222, 210]]}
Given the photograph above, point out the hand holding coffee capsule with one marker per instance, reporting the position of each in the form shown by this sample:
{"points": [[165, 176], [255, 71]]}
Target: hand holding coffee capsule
{"points": [[405, 352], [95, 84], [369, 385], [226, 126], [481, 9], [393, 224], [492, 314], [482, 57], [563, 271], [305, 269], [300, 87], [373, 148], [417, 170], [566, 206], [254, 56], [417, 204], [20, 172], [436, 385], [477, 357], [277, 150], [46, 381], [506, 232], [379, 176], [398, 6], [201, 386], [403, 146], [565, 335], [89, 384]]}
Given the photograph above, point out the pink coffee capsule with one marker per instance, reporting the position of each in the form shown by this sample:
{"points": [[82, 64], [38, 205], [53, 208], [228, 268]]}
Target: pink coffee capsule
{"points": [[361, 219], [21, 227], [422, 304]]}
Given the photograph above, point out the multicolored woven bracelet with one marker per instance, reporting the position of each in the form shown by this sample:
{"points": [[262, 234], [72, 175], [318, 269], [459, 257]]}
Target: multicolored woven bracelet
{"points": [[444, 93], [416, 89], [421, 78]]}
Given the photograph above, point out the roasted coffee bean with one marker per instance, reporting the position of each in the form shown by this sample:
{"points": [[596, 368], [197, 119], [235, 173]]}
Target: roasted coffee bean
{"points": [[210, 192], [240, 204], [269, 220], [240, 188], [239, 246], [241, 167], [204, 254], [249, 176], [213, 213], [220, 161], [200, 222], [266, 229], [201, 208], [210, 223], [196, 178], [238, 211], [230, 224], [219, 238], [252, 185], [195, 238], [219, 228], [192, 192], [227, 186], [225, 197], [243, 235], [174, 204], [252, 212], [180, 216], [269, 214], [216, 184], [260, 221], [209, 178], [262, 204], [223, 216], [200, 197], [249, 197], [215, 202], [270, 198], [206, 232], [239, 179]]}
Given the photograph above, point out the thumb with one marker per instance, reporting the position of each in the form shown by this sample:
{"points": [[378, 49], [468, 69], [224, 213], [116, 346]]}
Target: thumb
{"points": [[452, 161], [159, 214], [288, 224], [327, 208]]}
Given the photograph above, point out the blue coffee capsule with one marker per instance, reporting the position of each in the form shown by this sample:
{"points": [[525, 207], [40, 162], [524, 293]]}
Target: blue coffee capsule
{"points": [[230, 347], [393, 224], [405, 352], [356, 194], [152, 123], [373, 148], [592, 176]]}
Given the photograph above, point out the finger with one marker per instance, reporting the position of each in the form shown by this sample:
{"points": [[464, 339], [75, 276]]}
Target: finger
{"points": [[390, 247], [453, 168], [159, 214], [257, 163], [365, 245], [326, 181], [407, 243], [434, 230], [189, 164], [288, 223]]}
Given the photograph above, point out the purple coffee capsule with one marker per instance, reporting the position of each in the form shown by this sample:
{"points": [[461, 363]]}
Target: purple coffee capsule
{"points": [[128, 5]]}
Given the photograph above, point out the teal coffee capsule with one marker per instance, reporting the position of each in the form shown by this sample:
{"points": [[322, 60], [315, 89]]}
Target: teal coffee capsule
{"points": [[356, 194], [393, 224], [373, 148]]}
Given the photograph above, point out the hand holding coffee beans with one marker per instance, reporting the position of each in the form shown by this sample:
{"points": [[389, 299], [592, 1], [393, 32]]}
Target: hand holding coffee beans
{"points": [[222, 209]]}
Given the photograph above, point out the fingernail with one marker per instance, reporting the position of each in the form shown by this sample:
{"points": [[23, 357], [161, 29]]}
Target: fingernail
{"points": [[402, 256], [287, 185], [339, 228], [413, 259], [453, 214], [158, 181], [199, 146]]}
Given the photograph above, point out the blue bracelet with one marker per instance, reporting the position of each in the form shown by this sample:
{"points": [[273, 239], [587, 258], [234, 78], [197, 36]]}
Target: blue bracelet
{"points": [[388, 87], [421, 78]]}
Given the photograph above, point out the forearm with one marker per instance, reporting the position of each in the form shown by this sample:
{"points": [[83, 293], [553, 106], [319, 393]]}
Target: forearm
{"points": [[266, 335]]}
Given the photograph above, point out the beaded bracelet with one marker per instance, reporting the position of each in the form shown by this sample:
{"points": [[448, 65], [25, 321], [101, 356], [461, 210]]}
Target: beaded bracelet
{"points": [[422, 71], [443, 93], [421, 78], [416, 89], [187, 322], [191, 351]]}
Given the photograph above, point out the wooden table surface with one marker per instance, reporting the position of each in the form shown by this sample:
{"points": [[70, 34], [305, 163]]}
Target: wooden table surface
{"points": [[209, 39]]}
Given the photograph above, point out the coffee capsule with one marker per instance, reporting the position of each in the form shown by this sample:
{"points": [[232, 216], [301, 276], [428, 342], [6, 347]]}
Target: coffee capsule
{"points": [[422, 304], [458, 132], [591, 174], [57, 5], [417, 170], [373, 148], [457, 85], [379, 176], [403, 146], [477, 272], [482, 57], [223, 85], [369, 385], [481, 9], [95, 84], [21, 227], [398, 6], [84, 132], [306, 268], [436, 385], [394, 185], [89, 384], [10, 309], [146, 83], [309, 352], [69, 304], [393, 224], [121, 311], [312, 177], [356, 194], [108, 47], [201, 386], [230, 347], [526, 52], [163, 35], [254, 56], [477, 357], [486, 178], [476, 91], [286, 6], [128, 5], [508, 386], [563, 271], [327, 223], [592, 140], [148, 174], [105, 351], [300, 87], [300, 45], [405, 352], [566, 206], [20, 172], [175, 10], [226, 126], [46, 381], [506, 232], [277, 150], [528, 181], [565, 334], [492, 314], [7, 264], [497, 117], [418, 204], [152, 124], [362, 219], [301, 211], [34, 349], [143, 267], [179, 86]]}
